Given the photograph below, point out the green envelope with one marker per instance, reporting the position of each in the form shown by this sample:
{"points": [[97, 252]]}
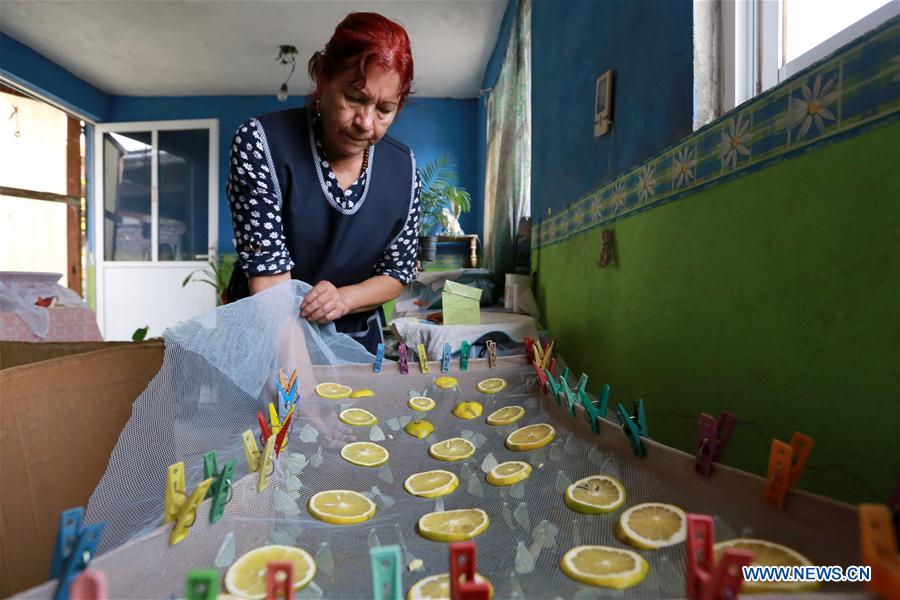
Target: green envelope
{"points": [[461, 304]]}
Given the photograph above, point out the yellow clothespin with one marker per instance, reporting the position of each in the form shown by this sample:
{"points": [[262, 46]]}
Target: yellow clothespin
{"points": [[423, 358], [538, 354], [179, 507], [256, 462], [545, 364]]}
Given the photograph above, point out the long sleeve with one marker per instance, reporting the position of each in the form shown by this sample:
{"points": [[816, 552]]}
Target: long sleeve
{"points": [[399, 258]]}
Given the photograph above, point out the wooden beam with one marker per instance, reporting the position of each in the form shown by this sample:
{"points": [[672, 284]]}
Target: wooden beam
{"points": [[35, 195], [73, 190]]}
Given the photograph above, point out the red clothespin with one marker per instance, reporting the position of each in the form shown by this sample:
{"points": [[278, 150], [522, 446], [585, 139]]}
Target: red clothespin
{"points": [[529, 349], [89, 585], [404, 359], [541, 377], [265, 432], [704, 579], [712, 437], [463, 585], [553, 367], [785, 466], [280, 580], [279, 439]]}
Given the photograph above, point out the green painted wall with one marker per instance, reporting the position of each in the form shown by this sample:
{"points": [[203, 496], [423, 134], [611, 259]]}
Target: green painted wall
{"points": [[775, 295]]}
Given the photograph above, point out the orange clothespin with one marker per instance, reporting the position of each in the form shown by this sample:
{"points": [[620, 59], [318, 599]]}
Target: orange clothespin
{"points": [[878, 542], [785, 466]]}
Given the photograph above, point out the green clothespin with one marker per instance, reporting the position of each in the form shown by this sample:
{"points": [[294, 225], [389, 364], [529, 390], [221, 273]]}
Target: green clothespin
{"points": [[554, 387], [568, 395], [387, 574], [464, 356], [582, 383], [202, 584], [634, 426], [591, 414], [220, 490], [603, 399], [565, 374]]}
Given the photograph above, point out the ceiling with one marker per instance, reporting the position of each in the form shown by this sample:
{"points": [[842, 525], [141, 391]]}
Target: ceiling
{"points": [[229, 47]]}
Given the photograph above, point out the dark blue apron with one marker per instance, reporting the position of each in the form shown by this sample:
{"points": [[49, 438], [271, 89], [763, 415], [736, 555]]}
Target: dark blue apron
{"points": [[325, 241]]}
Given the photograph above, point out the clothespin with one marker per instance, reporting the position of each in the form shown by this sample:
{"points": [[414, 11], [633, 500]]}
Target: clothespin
{"points": [[279, 429], [785, 466], [593, 412], [423, 358], [878, 542], [280, 580], [529, 349], [181, 508], [541, 377], [404, 360], [90, 585], [548, 354], [634, 426], [552, 366], [75, 547], [445, 359], [554, 387], [259, 463], [568, 395], [712, 437], [264, 431], [538, 353], [565, 373], [287, 392], [463, 585], [704, 578], [220, 490], [464, 351], [379, 358], [387, 573], [491, 346], [202, 584]]}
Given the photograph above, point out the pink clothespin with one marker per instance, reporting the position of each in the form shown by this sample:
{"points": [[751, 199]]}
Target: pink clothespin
{"points": [[280, 580], [712, 438], [404, 359], [704, 579], [463, 585], [89, 585]]}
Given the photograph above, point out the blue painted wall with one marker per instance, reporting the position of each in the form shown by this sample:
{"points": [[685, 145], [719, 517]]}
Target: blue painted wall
{"points": [[649, 45]]}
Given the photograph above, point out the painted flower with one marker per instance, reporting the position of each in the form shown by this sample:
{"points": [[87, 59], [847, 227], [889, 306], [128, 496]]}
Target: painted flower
{"points": [[735, 139], [683, 166], [617, 197], [645, 182], [596, 205], [813, 107]]}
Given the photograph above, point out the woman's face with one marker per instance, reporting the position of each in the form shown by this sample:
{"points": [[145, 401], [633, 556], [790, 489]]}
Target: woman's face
{"points": [[353, 117]]}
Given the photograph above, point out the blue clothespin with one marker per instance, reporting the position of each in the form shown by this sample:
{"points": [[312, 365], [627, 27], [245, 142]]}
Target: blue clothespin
{"points": [[387, 574], [379, 358], [404, 359], [634, 426], [287, 393], [464, 356], [445, 358], [75, 547]]}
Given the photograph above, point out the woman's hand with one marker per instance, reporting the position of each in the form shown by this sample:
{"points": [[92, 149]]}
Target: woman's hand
{"points": [[324, 303]]}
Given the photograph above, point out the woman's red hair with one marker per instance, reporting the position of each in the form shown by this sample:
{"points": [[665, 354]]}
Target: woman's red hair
{"points": [[361, 41]]}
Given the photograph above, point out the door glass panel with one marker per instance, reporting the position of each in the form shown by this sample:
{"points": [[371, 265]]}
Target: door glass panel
{"points": [[183, 194], [126, 196]]}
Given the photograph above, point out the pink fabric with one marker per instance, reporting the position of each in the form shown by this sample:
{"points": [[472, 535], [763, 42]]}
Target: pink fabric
{"points": [[67, 324]]}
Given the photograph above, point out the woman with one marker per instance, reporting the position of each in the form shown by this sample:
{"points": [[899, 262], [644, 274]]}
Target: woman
{"points": [[320, 194]]}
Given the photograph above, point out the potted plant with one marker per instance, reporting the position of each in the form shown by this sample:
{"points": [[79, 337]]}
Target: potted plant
{"points": [[216, 275], [441, 201]]}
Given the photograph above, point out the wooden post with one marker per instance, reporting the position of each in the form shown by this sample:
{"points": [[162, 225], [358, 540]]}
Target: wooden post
{"points": [[73, 212]]}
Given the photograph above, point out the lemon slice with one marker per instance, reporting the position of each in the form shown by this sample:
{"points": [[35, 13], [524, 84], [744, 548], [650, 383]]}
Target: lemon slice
{"points": [[453, 525], [506, 415], [362, 393], [445, 382], [357, 416], [246, 577], [468, 410], [491, 386], [365, 454], [420, 403], [595, 494], [604, 566], [341, 507], [452, 449], [419, 429], [652, 525], [531, 437], [437, 587], [431, 484], [509, 472], [334, 391], [767, 554]]}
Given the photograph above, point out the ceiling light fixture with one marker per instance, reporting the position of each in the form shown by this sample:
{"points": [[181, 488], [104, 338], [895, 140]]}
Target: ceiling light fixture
{"points": [[287, 55]]}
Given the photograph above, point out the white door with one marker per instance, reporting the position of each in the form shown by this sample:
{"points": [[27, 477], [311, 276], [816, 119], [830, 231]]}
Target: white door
{"points": [[155, 220]]}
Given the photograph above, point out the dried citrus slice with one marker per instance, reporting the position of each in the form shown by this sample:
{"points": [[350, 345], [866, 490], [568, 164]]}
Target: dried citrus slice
{"points": [[421, 403], [595, 494], [531, 437], [509, 472], [357, 416], [652, 525], [431, 484], [468, 410], [419, 429], [246, 577], [437, 587], [766, 554], [445, 382], [491, 386], [365, 454], [341, 507], [452, 449], [506, 415], [334, 391], [453, 525], [361, 393], [604, 566]]}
